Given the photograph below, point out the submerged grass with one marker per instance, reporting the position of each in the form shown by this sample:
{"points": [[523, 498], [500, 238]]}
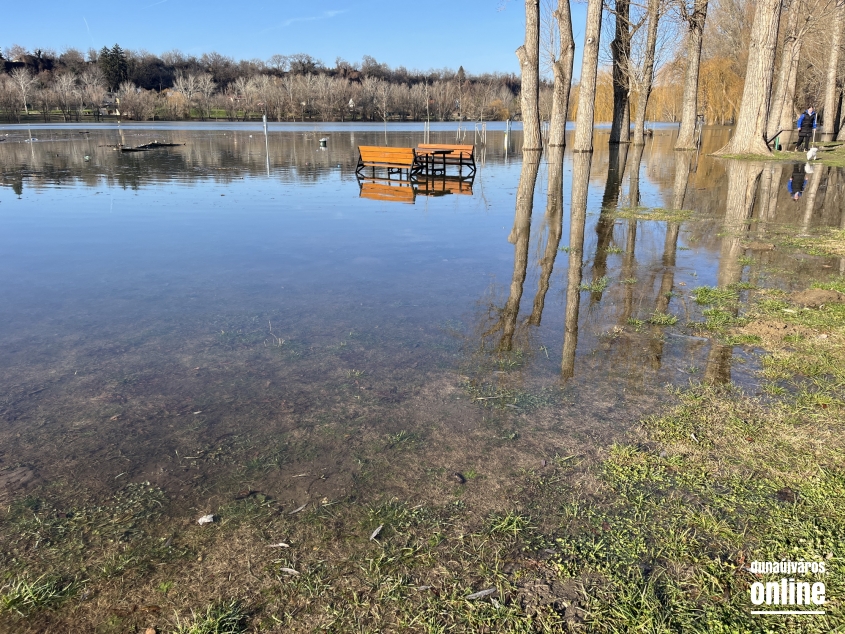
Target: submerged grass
{"points": [[653, 213], [654, 535]]}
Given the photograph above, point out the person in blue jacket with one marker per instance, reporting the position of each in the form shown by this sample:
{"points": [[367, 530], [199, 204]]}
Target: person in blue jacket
{"points": [[797, 182], [806, 125]]}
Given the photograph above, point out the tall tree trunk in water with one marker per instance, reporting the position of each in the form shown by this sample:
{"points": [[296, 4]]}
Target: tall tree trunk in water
{"points": [[754, 110], [689, 107], [562, 69], [620, 48], [553, 221], [780, 113], [648, 71], [743, 180], [529, 62], [589, 69], [832, 66], [577, 221]]}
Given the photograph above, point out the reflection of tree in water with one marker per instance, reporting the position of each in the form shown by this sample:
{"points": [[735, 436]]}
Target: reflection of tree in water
{"points": [[553, 223], [683, 160], [818, 175], [629, 259], [519, 237], [743, 183], [577, 220], [604, 226]]}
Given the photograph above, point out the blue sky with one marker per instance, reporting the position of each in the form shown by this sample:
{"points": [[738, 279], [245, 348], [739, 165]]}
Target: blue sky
{"points": [[481, 35]]}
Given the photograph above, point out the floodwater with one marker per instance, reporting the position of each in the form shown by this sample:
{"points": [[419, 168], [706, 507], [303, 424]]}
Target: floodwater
{"points": [[242, 314]]}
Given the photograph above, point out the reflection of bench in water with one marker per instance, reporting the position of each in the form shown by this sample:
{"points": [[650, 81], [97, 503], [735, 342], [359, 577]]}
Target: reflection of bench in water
{"points": [[434, 157], [392, 159], [400, 191], [442, 185]]}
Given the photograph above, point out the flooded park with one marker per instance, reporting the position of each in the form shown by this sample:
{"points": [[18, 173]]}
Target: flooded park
{"points": [[419, 405]]}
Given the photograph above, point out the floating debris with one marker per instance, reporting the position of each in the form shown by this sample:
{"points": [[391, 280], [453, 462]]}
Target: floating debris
{"points": [[206, 519], [482, 593], [301, 508], [376, 532], [146, 146], [289, 571]]}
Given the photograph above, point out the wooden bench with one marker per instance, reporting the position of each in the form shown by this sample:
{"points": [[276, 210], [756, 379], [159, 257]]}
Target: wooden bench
{"points": [[433, 154], [391, 193], [393, 159]]}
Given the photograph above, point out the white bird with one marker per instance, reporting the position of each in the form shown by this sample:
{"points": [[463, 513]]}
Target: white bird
{"points": [[811, 154]]}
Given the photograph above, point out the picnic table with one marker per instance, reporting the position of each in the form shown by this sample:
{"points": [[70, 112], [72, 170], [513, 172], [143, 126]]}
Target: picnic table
{"points": [[429, 155]]}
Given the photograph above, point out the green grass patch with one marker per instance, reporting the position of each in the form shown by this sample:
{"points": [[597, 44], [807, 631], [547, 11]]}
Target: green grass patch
{"points": [[653, 213], [662, 319], [24, 597], [222, 618], [596, 286]]}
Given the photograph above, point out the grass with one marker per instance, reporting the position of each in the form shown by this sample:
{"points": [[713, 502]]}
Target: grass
{"points": [[222, 618], [596, 286], [24, 597], [662, 319], [653, 213]]}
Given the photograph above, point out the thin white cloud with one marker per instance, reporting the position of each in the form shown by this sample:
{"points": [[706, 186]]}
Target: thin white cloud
{"points": [[325, 15], [154, 4]]}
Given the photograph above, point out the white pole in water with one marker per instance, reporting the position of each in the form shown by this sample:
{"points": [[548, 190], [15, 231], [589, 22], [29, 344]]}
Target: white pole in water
{"points": [[266, 145]]}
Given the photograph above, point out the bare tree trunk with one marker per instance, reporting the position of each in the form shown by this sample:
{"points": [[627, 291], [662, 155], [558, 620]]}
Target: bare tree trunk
{"points": [[648, 71], [780, 114], [529, 62], [620, 48], [832, 66], [689, 107], [562, 68], [841, 135], [577, 221], [554, 221], [589, 69], [754, 110]]}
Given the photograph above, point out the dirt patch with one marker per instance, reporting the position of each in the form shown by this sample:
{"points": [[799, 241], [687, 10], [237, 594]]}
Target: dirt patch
{"points": [[14, 479], [816, 298], [771, 330]]}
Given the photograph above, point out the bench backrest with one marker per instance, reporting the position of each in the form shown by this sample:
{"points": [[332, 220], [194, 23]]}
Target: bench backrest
{"points": [[395, 155], [462, 150], [378, 191]]}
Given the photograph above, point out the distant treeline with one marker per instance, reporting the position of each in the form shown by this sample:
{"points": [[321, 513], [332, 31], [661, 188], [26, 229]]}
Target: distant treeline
{"points": [[143, 86]]}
